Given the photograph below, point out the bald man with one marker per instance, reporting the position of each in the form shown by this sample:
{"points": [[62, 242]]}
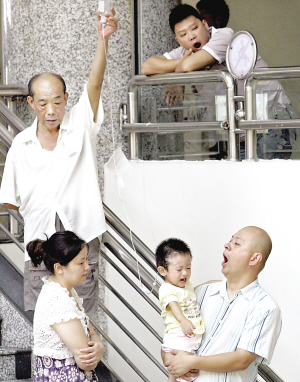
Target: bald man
{"points": [[242, 321], [50, 173]]}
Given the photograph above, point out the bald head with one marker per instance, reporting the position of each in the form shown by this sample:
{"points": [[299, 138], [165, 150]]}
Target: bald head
{"points": [[46, 76], [260, 242]]}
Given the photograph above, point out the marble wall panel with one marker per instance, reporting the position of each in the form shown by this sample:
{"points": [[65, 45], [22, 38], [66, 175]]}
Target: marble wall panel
{"points": [[157, 37]]}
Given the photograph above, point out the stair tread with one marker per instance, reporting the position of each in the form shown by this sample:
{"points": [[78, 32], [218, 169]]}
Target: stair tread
{"points": [[9, 350], [19, 380]]}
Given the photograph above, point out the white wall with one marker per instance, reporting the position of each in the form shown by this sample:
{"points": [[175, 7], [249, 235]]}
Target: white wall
{"points": [[204, 203]]}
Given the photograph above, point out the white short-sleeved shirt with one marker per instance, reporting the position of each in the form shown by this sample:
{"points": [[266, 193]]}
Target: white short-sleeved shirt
{"points": [[186, 299], [54, 305], [62, 182], [217, 47], [250, 321]]}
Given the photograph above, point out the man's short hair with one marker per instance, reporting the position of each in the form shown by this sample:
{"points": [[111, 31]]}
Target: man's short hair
{"points": [[180, 13], [34, 78], [215, 12]]}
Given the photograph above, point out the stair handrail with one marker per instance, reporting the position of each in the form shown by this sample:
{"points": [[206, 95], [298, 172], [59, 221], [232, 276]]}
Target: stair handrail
{"points": [[13, 91], [136, 268], [132, 337], [130, 307], [6, 136], [129, 237], [130, 282], [11, 119], [268, 374], [12, 237]]}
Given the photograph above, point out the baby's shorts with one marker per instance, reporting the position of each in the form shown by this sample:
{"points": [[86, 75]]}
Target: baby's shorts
{"points": [[176, 339]]}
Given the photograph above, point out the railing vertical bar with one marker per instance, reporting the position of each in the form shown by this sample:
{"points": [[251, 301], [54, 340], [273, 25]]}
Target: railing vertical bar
{"points": [[232, 146], [133, 138], [250, 138]]}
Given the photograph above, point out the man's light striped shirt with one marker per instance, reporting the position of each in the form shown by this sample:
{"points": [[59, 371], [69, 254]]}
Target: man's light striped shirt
{"points": [[250, 321]]}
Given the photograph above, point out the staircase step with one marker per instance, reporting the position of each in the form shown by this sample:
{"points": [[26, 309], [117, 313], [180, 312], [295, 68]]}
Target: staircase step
{"points": [[18, 380], [103, 374], [15, 363]]}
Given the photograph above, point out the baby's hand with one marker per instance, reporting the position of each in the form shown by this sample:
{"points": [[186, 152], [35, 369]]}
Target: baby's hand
{"points": [[187, 327]]}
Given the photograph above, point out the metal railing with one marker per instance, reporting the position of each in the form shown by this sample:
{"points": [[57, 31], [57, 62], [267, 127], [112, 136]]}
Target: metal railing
{"points": [[129, 237], [268, 374], [9, 93], [11, 119], [240, 109], [132, 126], [249, 124], [12, 91], [11, 126]]}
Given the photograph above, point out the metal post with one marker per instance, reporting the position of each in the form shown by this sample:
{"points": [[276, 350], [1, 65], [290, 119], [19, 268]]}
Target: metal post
{"points": [[240, 116], [13, 223], [232, 147], [133, 138], [250, 138]]}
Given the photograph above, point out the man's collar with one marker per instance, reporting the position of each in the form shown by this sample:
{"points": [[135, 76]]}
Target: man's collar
{"points": [[247, 290], [221, 288], [218, 288], [30, 132]]}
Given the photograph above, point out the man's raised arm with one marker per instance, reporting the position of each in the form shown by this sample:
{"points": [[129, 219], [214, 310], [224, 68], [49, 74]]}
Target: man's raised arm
{"points": [[98, 66]]}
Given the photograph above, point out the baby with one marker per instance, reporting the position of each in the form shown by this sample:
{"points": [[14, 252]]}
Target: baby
{"points": [[184, 324]]}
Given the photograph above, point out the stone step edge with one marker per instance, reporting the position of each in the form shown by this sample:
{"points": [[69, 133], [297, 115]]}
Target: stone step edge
{"points": [[9, 350], [18, 380]]}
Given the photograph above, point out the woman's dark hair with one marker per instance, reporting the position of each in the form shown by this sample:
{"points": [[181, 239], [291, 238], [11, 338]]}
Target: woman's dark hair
{"points": [[62, 247], [215, 12], [167, 248], [180, 13]]}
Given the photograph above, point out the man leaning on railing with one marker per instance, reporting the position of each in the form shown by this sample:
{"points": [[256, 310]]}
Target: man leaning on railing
{"points": [[203, 47]]}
